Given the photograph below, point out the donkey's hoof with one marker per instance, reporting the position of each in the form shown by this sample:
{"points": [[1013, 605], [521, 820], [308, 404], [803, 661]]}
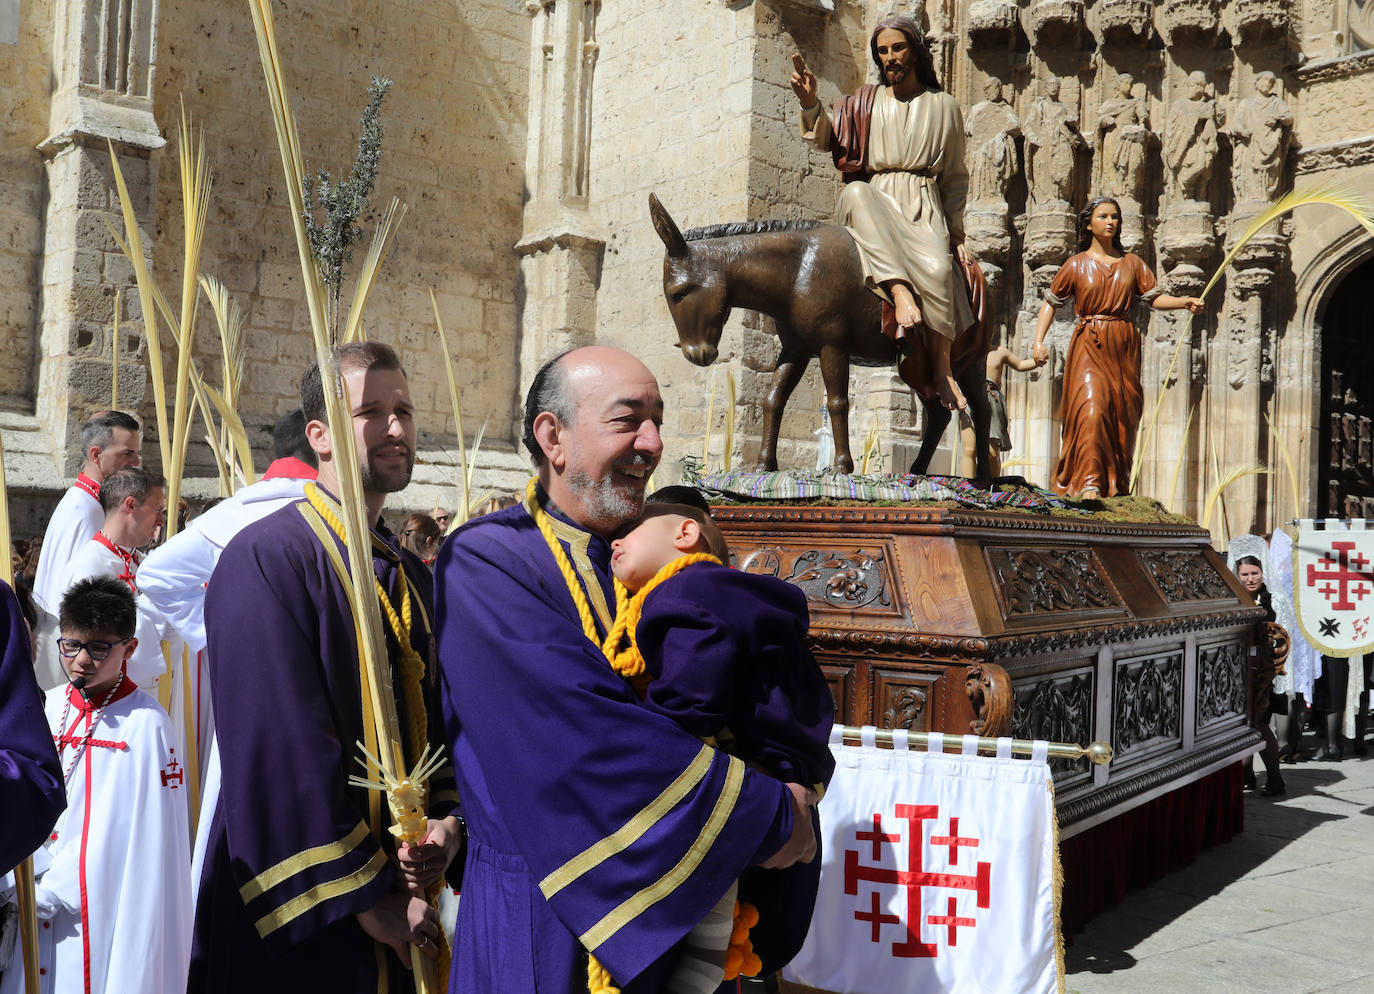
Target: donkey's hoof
{"points": [[844, 465]]}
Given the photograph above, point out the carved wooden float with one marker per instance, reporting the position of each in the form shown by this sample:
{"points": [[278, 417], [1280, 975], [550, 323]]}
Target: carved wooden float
{"points": [[1132, 633]]}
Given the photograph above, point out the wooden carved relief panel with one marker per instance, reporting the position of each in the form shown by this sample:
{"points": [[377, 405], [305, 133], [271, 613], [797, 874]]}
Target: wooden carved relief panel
{"points": [[1147, 702], [904, 700], [1057, 708], [859, 579], [1031, 583], [1222, 682], [1184, 576]]}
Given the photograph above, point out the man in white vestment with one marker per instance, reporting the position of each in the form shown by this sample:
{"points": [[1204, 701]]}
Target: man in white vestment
{"points": [[110, 441], [173, 579], [900, 147], [135, 504], [113, 878]]}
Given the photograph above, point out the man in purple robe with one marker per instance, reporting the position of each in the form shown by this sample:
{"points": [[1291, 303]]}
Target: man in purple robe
{"points": [[299, 891], [596, 826], [31, 790]]}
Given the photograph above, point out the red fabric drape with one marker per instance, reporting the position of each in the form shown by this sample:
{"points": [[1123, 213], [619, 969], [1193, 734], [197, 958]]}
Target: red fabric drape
{"points": [[1139, 847]]}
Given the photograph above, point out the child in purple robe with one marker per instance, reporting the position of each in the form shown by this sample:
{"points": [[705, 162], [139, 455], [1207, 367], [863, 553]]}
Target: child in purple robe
{"points": [[722, 653]]}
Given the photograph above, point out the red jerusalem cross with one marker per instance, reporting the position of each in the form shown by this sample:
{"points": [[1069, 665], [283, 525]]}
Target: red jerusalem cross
{"points": [[1344, 577], [952, 920], [878, 838], [954, 840], [172, 772], [914, 879]]}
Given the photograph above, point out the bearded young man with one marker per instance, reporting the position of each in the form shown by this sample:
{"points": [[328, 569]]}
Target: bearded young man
{"points": [[900, 149], [595, 825], [299, 891]]}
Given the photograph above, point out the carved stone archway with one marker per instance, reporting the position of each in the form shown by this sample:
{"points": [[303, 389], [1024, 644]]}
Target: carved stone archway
{"points": [[1345, 439]]}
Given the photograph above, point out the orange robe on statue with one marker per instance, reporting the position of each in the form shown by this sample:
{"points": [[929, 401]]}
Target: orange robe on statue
{"points": [[1103, 398]]}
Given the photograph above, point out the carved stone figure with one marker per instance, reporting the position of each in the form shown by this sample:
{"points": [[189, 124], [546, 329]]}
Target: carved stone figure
{"points": [[1261, 129], [1190, 141], [1123, 142], [1053, 148], [992, 130]]}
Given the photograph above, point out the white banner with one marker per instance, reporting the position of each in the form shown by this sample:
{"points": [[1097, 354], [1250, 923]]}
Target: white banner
{"points": [[1333, 586], [938, 874]]}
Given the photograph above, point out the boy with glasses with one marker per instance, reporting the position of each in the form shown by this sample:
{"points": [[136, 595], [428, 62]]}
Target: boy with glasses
{"points": [[113, 877]]}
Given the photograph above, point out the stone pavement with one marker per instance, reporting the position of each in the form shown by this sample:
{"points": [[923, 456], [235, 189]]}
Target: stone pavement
{"points": [[1287, 906]]}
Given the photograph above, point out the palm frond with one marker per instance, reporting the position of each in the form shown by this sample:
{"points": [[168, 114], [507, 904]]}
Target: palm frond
{"points": [[1178, 462], [1329, 194], [706, 435], [132, 247], [460, 514], [732, 397], [360, 589], [1287, 465], [376, 255]]}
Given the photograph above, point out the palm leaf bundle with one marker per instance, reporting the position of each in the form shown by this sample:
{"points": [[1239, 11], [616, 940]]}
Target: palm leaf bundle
{"points": [[1354, 204], [362, 599]]}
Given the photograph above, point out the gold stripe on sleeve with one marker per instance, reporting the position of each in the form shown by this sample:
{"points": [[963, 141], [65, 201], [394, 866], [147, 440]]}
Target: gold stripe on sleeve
{"points": [[320, 893], [301, 862], [633, 829], [674, 878]]}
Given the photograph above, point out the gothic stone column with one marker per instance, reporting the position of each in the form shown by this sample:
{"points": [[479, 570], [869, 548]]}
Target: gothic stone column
{"points": [[103, 95], [560, 248]]}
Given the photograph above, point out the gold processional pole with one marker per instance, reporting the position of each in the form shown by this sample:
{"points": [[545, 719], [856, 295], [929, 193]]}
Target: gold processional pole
{"points": [[1099, 753], [25, 891]]}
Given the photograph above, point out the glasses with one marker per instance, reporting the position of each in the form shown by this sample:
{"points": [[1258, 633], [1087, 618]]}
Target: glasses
{"points": [[71, 648]]}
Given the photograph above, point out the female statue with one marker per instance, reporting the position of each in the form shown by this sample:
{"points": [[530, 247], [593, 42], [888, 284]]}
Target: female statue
{"points": [[1103, 397]]}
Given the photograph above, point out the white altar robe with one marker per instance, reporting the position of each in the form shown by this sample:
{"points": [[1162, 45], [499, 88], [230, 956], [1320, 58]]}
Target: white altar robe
{"points": [[117, 863], [171, 583], [73, 524]]}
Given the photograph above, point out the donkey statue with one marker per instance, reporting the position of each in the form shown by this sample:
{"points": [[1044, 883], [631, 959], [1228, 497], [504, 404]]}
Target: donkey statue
{"points": [[807, 277]]}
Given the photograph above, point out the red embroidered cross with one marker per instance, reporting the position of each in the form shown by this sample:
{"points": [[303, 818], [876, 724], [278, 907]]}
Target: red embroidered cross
{"points": [[877, 917], [954, 840], [915, 878], [952, 920], [1344, 577], [877, 838], [173, 771]]}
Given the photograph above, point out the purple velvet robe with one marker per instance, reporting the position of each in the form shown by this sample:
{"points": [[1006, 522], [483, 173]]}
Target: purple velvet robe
{"points": [[32, 794], [294, 851], [580, 802], [727, 655]]}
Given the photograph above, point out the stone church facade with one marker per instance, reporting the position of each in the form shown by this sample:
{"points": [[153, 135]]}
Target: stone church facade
{"points": [[526, 137]]}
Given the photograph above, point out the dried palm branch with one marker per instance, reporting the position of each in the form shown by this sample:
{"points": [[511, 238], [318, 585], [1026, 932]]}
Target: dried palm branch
{"points": [[229, 320], [1215, 496], [217, 448], [360, 590], [1287, 465], [870, 449], [1326, 194], [195, 208], [733, 398], [376, 255], [461, 514], [114, 367], [133, 251], [710, 420], [1178, 462]]}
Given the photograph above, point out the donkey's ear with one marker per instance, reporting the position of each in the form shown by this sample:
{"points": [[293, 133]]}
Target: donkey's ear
{"points": [[667, 228]]}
